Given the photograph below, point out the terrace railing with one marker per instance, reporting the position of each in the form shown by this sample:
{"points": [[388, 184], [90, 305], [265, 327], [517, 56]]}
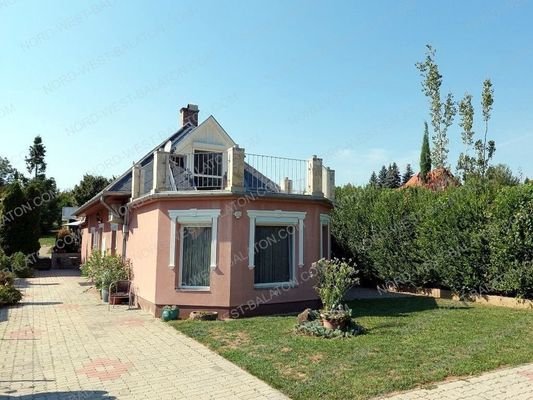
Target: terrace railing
{"points": [[232, 170], [275, 174]]}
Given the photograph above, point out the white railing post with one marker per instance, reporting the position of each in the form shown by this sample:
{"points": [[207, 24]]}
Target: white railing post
{"points": [[328, 181], [235, 176], [160, 171], [135, 181], [314, 177], [286, 185]]}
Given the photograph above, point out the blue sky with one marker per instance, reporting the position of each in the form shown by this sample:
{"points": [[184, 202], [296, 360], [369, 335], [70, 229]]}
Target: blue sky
{"points": [[103, 81]]}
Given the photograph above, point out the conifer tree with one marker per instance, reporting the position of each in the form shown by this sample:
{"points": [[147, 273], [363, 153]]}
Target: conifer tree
{"points": [[382, 177], [407, 174], [393, 179], [373, 182], [425, 155]]}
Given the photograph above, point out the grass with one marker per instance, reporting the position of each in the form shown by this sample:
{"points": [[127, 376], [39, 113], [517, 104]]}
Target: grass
{"points": [[48, 240], [409, 342]]}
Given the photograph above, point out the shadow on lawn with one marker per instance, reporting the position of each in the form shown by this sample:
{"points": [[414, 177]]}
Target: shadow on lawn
{"points": [[74, 395], [396, 307]]}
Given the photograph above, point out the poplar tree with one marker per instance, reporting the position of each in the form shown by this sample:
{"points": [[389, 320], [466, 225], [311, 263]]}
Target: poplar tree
{"points": [[441, 111]]}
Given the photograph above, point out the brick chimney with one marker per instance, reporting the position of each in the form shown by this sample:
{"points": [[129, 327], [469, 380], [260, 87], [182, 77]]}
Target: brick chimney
{"points": [[189, 114]]}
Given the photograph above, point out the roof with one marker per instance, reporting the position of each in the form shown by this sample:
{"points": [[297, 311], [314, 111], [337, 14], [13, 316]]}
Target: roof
{"points": [[66, 212], [437, 179], [122, 184]]}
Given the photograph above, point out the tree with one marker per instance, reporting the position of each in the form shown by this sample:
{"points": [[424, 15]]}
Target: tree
{"points": [[485, 150], [382, 177], [373, 182], [441, 112], [425, 155], [89, 187], [502, 175], [19, 225], [393, 179], [35, 161], [66, 199], [48, 205], [7, 172], [407, 174], [466, 163]]}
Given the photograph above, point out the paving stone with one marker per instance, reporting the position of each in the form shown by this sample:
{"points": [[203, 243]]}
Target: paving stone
{"points": [[62, 343]]}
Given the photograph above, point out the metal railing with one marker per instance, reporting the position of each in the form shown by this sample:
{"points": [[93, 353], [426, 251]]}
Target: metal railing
{"points": [[196, 171], [275, 174]]}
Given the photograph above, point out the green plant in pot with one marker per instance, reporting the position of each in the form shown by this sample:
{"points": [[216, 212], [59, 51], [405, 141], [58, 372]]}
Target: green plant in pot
{"points": [[334, 278], [105, 280]]}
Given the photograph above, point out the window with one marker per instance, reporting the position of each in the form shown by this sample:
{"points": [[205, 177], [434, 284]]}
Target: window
{"points": [[274, 254], [207, 170], [195, 256], [275, 241], [197, 245], [325, 236]]}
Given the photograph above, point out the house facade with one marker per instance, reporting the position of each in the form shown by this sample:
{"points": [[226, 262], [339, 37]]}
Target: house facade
{"points": [[208, 226]]}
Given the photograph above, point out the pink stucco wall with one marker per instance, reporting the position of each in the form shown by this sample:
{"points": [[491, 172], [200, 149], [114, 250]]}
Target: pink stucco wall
{"points": [[232, 282]]}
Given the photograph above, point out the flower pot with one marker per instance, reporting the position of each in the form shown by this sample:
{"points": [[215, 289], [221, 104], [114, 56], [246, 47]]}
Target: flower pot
{"points": [[113, 300], [105, 295], [174, 314], [166, 315], [334, 323]]}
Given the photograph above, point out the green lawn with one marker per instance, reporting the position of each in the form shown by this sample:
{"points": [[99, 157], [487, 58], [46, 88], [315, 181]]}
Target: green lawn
{"points": [[48, 240], [410, 342]]}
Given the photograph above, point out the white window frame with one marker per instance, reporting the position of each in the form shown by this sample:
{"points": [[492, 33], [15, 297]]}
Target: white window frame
{"points": [[325, 220], [193, 218], [93, 238], [277, 218]]}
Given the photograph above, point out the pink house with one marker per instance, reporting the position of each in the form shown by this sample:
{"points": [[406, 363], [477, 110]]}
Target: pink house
{"points": [[208, 226]]}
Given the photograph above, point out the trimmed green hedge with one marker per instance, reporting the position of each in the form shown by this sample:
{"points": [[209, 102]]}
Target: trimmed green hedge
{"points": [[474, 239]]}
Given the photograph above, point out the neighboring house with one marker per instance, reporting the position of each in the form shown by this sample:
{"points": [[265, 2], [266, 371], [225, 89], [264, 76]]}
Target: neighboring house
{"points": [[67, 214], [437, 179], [210, 227]]}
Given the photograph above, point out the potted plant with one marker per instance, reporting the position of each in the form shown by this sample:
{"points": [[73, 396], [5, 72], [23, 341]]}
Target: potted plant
{"points": [[334, 278], [106, 280], [170, 313]]}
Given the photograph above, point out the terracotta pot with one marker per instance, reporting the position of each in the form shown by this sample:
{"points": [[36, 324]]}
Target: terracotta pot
{"points": [[113, 300], [334, 323]]}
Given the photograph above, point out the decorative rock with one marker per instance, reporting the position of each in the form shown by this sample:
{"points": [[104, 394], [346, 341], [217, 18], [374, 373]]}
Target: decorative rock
{"points": [[306, 316], [203, 316]]}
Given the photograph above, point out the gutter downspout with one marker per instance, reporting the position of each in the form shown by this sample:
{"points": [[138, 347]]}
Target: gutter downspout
{"points": [[125, 231], [102, 201]]}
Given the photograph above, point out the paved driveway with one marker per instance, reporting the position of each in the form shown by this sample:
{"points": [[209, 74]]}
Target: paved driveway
{"points": [[62, 343]]}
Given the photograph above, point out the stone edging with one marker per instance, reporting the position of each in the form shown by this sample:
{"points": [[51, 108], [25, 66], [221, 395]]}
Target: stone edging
{"points": [[491, 300]]}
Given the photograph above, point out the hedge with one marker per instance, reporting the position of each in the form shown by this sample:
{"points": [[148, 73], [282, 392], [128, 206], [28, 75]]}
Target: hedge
{"points": [[474, 239]]}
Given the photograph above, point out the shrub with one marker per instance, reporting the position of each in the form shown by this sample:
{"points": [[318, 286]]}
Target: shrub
{"points": [[19, 265], [473, 239], [396, 215], [334, 278], [106, 269], [5, 262], [67, 241], [451, 239], [9, 295], [6, 278], [510, 235], [315, 328]]}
